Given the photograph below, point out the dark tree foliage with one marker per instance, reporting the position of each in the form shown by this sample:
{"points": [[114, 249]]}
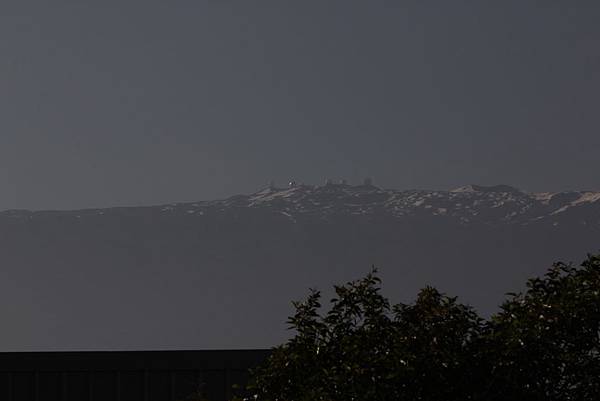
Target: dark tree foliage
{"points": [[544, 344], [363, 349]]}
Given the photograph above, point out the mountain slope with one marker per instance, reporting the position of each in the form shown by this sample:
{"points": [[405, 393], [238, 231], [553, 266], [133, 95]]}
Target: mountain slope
{"points": [[221, 274]]}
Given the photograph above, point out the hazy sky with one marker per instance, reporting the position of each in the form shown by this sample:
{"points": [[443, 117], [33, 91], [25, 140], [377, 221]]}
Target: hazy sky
{"points": [[143, 102]]}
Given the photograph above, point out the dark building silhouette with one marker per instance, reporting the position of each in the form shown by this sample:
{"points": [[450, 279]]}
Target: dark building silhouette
{"points": [[125, 375]]}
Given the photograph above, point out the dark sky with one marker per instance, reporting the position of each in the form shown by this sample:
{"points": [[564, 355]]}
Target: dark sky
{"points": [[144, 102]]}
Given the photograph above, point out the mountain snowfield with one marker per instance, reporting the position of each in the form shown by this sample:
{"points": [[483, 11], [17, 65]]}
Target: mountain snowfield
{"points": [[499, 204], [222, 274], [471, 204]]}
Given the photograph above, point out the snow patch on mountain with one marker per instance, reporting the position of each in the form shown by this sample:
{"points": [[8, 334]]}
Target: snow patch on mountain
{"points": [[471, 204]]}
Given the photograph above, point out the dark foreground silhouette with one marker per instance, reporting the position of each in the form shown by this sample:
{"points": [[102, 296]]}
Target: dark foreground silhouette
{"points": [[125, 376], [544, 344]]}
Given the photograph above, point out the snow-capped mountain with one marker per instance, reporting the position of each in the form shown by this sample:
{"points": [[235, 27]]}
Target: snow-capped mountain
{"points": [[500, 204], [471, 204], [222, 274]]}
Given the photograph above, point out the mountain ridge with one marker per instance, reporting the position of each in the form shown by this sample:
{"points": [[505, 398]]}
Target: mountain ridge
{"points": [[497, 204], [223, 273]]}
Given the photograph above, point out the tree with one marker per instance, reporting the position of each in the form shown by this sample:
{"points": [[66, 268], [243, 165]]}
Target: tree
{"points": [[543, 344], [436, 342], [363, 349]]}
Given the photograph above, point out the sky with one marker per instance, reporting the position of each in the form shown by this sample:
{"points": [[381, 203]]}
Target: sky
{"points": [[149, 102]]}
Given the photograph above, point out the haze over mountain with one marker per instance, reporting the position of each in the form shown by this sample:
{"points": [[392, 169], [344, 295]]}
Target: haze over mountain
{"points": [[221, 274]]}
